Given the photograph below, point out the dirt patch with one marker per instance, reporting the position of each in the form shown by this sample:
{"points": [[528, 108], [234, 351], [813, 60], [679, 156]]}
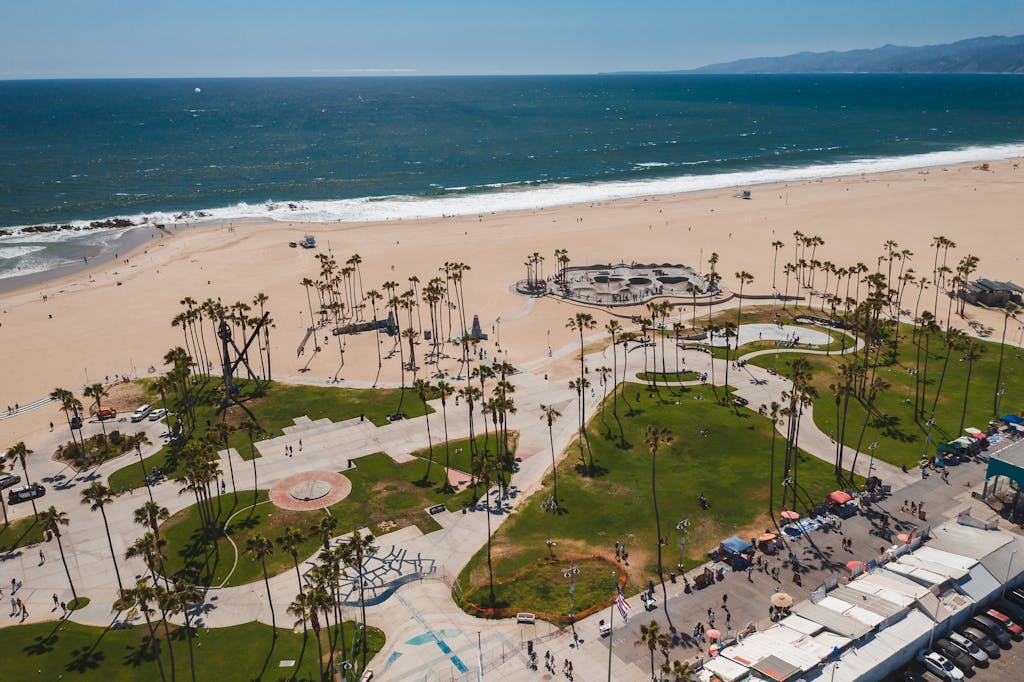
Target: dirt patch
{"points": [[123, 397]]}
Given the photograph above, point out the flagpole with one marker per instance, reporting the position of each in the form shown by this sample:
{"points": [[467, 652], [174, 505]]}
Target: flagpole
{"points": [[611, 628], [479, 659]]}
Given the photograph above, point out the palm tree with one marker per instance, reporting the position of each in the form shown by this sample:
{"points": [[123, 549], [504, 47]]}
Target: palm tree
{"points": [[653, 639], [97, 496], [142, 596], [549, 413], [445, 390], [303, 608], [222, 432], [152, 551], [680, 672], [359, 547], [52, 520], [423, 390], [20, 451], [1010, 310], [776, 245], [97, 392], [973, 349], [290, 541], [582, 322], [613, 327], [67, 405], [774, 413], [258, 547], [254, 431], [656, 437], [150, 515], [180, 600]]}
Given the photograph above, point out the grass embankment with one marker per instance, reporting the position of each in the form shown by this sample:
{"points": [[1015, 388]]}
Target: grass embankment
{"points": [[900, 436], [730, 466], [658, 377], [272, 412], [92, 654], [460, 454], [385, 496]]}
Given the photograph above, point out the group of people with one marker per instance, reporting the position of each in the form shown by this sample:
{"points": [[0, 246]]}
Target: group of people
{"points": [[289, 450], [550, 661], [621, 553]]}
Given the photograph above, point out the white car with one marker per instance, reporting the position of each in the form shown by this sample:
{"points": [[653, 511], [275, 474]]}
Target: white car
{"points": [[969, 647], [141, 412], [940, 665], [157, 414]]}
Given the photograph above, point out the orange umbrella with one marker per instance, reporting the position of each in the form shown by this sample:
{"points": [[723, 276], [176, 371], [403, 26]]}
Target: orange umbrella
{"points": [[714, 634], [853, 565], [791, 515], [766, 537]]}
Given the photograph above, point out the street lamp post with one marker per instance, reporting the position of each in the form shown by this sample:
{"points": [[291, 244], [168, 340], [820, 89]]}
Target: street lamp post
{"points": [[871, 449], [549, 507], [1009, 567], [681, 527], [571, 574]]}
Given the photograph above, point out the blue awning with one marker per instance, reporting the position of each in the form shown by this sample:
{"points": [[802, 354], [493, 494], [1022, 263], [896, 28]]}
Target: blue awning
{"points": [[1012, 419], [736, 545]]}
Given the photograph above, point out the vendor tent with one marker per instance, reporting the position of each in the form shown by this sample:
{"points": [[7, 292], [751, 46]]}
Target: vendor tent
{"points": [[736, 546], [1012, 419], [839, 497]]}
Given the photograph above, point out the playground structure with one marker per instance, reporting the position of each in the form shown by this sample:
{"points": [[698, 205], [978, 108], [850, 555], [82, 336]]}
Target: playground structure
{"points": [[629, 284]]}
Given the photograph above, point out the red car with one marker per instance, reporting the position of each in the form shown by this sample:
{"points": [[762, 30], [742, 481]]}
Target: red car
{"points": [[1005, 621]]}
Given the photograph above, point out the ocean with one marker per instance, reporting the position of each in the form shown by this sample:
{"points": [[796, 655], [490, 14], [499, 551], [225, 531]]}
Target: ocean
{"points": [[177, 152]]}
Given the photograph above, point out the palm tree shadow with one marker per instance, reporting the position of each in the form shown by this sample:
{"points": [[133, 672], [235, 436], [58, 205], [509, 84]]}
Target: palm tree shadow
{"points": [[43, 645], [266, 661], [84, 660]]}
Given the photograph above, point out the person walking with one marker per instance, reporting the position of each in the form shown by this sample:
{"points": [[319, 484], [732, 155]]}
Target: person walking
{"points": [[42, 558], [56, 601]]}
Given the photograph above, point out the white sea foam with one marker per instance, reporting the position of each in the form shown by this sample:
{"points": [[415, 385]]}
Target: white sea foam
{"points": [[526, 195], [8, 251]]}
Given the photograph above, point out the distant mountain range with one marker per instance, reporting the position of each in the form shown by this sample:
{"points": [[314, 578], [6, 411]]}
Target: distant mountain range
{"points": [[993, 54]]}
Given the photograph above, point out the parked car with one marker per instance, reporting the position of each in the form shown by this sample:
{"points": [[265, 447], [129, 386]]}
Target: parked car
{"points": [[968, 647], [141, 412], [106, 413], [992, 628], [1005, 621], [1011, 609], [1016, 596], [7, 480], [25, 493], [941, 666], [955, 654], [157, 414], [983, 641]]}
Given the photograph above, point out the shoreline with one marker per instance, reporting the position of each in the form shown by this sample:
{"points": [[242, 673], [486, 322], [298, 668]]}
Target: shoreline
{"points": [[54, 275]]}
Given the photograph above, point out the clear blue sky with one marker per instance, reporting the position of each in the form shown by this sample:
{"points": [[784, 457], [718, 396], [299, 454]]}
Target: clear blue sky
{"points": [[168, 38]]}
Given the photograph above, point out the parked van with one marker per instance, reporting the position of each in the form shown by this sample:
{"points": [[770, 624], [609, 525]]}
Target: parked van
{"points": [[141, 413], [7, 480]]}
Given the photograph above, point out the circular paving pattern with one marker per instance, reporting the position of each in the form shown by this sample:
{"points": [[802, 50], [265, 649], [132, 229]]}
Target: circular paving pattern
{"points": [[310, 490]]}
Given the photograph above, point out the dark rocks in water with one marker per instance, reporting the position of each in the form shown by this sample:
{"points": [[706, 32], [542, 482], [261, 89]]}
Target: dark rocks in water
{"points": [[293, 206], [47, 228], [202, 214], [111, 222], [4, 233]]}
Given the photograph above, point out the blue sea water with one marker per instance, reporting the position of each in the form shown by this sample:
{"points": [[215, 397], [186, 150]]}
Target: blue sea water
{"points": [[385, 148]]}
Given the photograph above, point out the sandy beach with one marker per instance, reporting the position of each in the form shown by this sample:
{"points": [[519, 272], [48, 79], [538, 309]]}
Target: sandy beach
{"points": [[115, 319]]}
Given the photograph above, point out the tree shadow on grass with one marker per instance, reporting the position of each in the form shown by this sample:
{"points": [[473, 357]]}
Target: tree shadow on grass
{"points": [[84, 660], [889, 426], [145, 653], [43, 645]]}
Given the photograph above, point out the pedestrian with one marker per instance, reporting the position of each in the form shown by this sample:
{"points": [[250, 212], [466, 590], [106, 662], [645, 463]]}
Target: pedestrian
{"points": [[300, 445], [913, 507], [14, 586], [725, 598], [728, 620], [570, 670], [14, 606], [56, 601], [711, 619], [64, 608], [750, 573]]}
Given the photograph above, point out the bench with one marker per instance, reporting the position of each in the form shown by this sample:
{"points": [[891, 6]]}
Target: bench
{"points": [[526, 618]]}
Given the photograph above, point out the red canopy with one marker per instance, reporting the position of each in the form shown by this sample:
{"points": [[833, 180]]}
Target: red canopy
{"points": [[839, 497]]}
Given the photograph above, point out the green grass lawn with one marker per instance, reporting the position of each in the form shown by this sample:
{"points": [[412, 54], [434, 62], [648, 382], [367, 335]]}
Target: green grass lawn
{"points": [[385, 496], [459, 453], [901, 439], [667, 376], [66, 650], [729, 466], [20, 533], [277, 409], [210, 560]]}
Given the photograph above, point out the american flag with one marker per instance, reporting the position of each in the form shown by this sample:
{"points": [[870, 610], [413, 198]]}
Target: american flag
{"points": [[623, 605]]}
